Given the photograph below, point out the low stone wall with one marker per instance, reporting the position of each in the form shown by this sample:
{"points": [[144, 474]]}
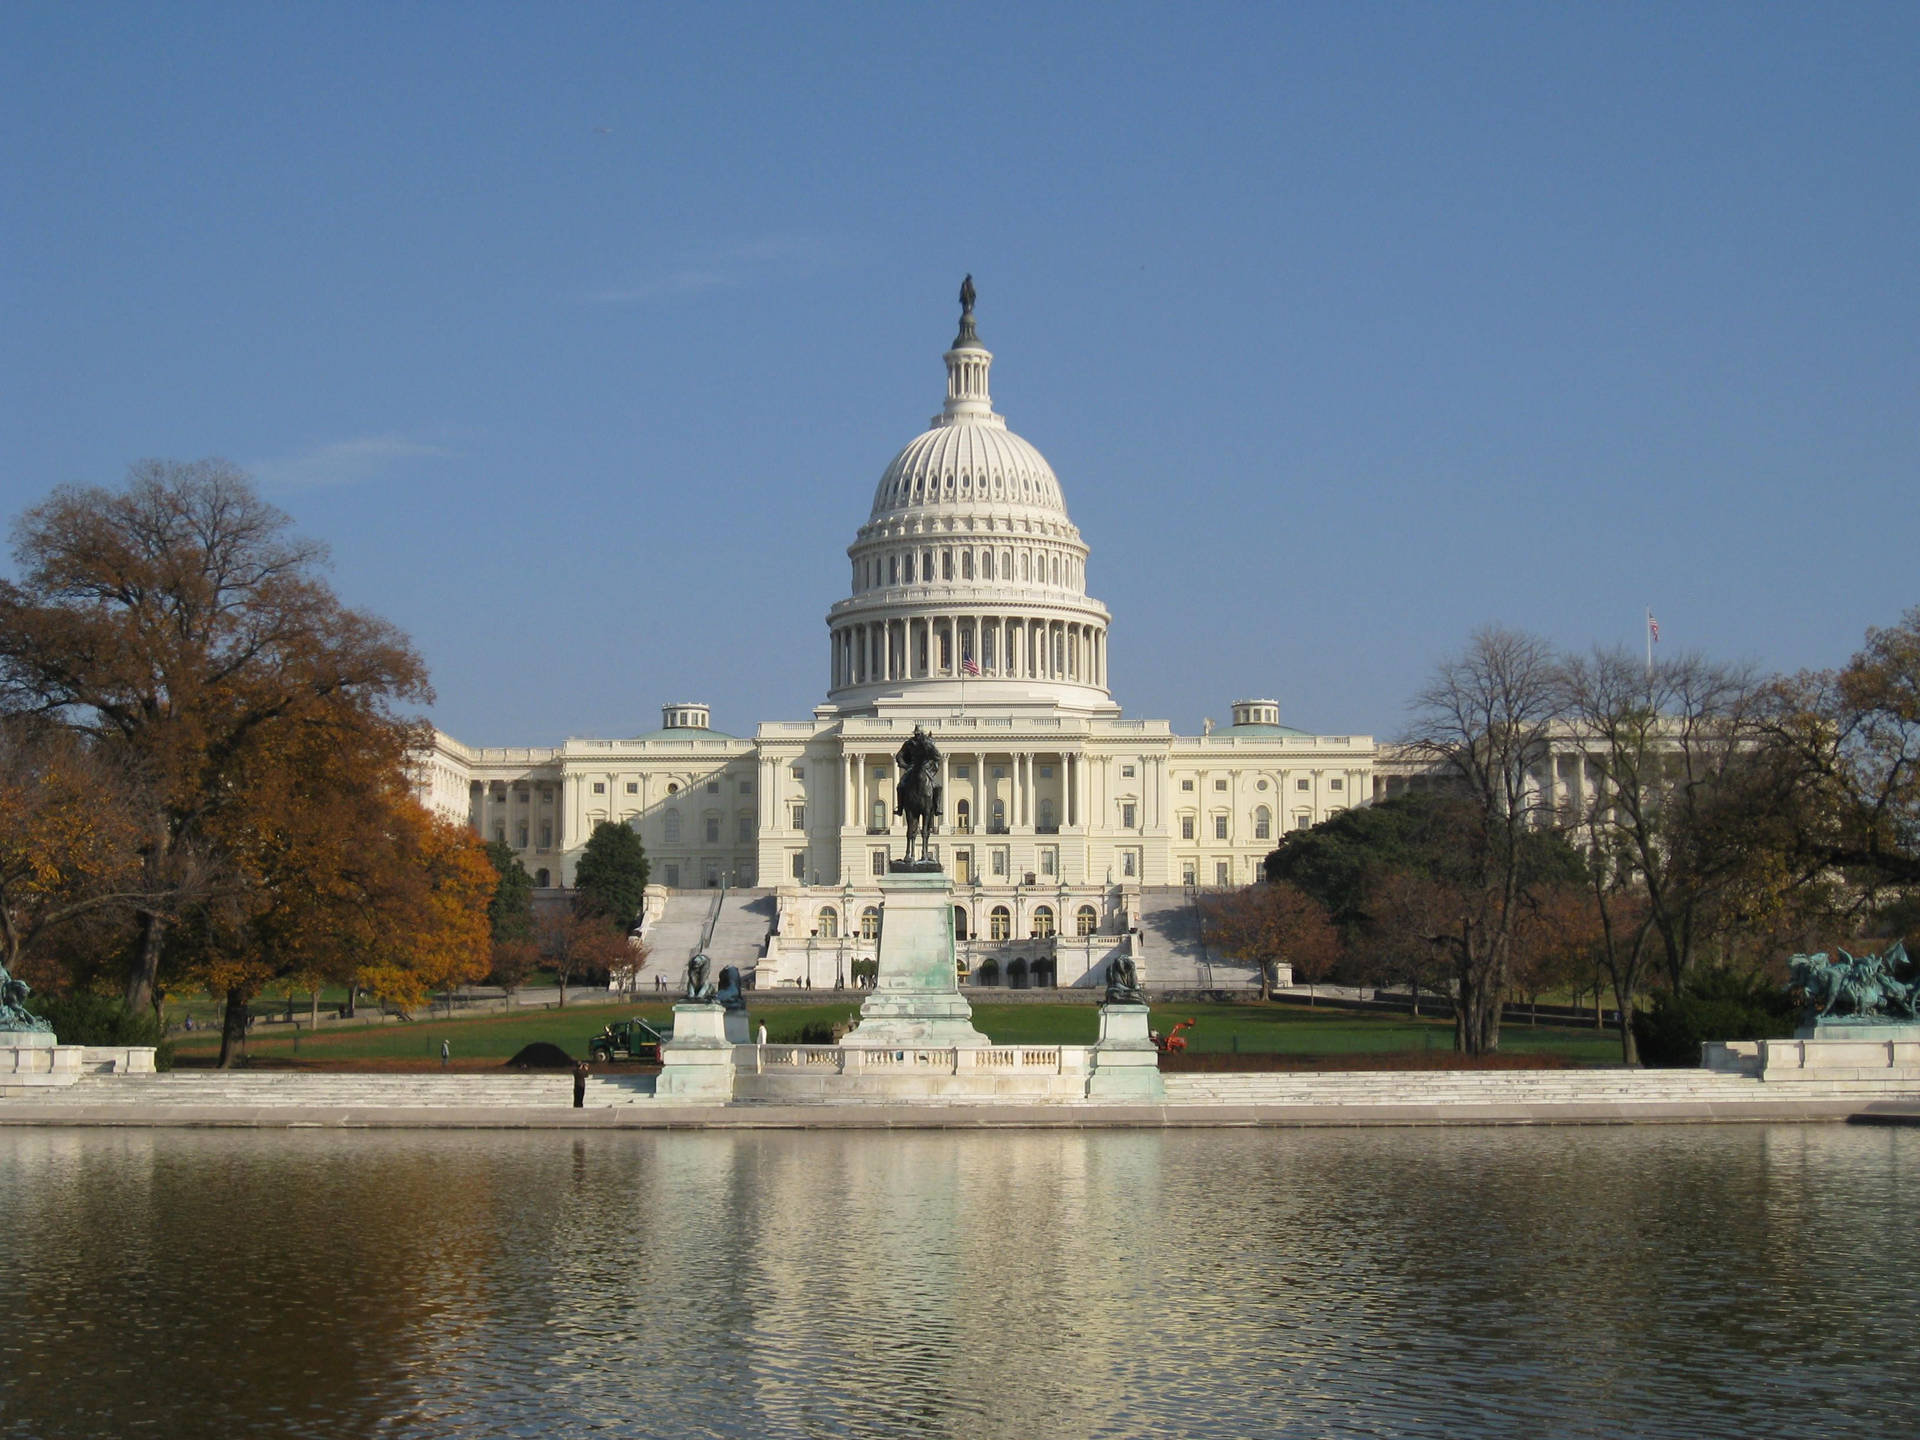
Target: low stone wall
{"points": [[1896, 1057]]}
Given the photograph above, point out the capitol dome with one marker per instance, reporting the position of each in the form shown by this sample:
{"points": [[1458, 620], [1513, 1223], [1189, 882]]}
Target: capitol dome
{"points": [[968, 578]]}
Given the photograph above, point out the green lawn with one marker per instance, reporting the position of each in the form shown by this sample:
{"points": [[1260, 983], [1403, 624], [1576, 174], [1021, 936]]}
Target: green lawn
{"points": [[1250, 1028]]}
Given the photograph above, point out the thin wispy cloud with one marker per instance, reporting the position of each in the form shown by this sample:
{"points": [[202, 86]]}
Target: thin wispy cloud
{"points": [[755, 262], [343, 462]]}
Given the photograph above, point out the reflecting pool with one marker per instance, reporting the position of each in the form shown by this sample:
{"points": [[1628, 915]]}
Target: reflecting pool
{"points": [[1656, 1281]]}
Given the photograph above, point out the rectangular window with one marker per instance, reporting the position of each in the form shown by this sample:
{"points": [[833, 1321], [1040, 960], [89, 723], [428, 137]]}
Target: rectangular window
{"points": [[1049, 861], [1126, 816], [1220, 872], [879, 773], [1219, 784], [673, 876], [999, 772], [1129, 863], [1046, 772], [877, 862], [1302, 820], [546, 834], [799, 817], [1126, 772], [1336, 784], [633, 787], [1219, 827], [1188, 876], [800, 866], [1187, 785], [713, 787], [1186, 827], [713, 830], [1303, 784], [713, 876], [1000, 862], [599, 787], [799, 772], [963, 772], [743, 829], [500, 831], [522, 832]]}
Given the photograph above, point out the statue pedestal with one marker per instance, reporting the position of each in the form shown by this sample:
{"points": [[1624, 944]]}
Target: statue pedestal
{"points": [[32, 1059], [1827, 1050], [916, 999], [696, 1064], [1126, 1065]]}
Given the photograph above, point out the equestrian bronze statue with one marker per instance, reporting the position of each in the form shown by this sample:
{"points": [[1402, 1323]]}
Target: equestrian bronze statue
{"points": [[919, 795]]}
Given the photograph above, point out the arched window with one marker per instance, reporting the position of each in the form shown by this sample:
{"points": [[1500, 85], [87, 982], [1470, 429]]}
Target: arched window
{"points": [[963, 816], [906, 571], [1047, 813], [542, 879], [946, 564], [986, 564], [1026, 566], [988, 973], [827, 923], [1085, 921], [877, 821], [1262, 823], [1043, 920], [959, 922], [999, 923], [893, 569], [673, 827], [870, 923], [1000, 816], [966, 564]]}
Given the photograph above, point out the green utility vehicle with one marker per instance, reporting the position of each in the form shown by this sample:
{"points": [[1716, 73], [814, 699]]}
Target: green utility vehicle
{"points": [[626, 1040]]}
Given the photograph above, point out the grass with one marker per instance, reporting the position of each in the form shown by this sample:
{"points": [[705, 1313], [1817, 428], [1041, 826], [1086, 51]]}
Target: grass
{"points": [[1252, 1028]]}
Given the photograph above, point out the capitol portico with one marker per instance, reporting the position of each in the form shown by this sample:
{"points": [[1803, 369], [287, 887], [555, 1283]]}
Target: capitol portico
{"points": [[1070, 832]]}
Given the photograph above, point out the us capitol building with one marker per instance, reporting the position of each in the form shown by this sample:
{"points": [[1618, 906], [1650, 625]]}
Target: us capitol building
{"points": [[1070, 832]]}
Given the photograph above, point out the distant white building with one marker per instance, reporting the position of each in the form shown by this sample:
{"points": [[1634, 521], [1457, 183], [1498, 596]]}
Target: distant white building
{"points": [[1070, 831]]}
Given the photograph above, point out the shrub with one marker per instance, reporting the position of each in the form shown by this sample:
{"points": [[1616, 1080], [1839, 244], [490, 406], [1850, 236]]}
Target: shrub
{"points": [[1717, 1005], [87, 1019], [814, 1032]]}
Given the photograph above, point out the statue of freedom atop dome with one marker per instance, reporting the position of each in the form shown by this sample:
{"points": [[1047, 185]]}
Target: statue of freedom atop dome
{"points": [[966, 296], [919, 795]]}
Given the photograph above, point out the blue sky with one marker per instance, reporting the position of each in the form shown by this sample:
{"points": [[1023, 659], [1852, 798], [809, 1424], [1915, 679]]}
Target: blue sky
{"points": [[583, 333]]}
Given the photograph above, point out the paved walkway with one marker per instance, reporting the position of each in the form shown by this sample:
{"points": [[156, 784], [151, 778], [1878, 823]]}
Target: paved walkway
{"points": [[289, 1099]]}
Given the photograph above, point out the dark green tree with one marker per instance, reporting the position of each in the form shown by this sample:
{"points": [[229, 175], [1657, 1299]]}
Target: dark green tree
{"points": [[510, 911], [611, 879]]}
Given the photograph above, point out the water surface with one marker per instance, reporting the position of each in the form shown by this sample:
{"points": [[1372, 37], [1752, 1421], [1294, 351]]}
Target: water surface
{"points": [[1659, 1281]]}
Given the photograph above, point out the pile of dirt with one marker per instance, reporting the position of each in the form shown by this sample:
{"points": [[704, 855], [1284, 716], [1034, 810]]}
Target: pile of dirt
{"points": [[541, 1055]]}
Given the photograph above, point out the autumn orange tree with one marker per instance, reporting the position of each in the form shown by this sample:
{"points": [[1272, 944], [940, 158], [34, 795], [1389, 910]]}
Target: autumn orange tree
{"points": [[67, 844], [180, 628], [1271, 924], [335, 873]]}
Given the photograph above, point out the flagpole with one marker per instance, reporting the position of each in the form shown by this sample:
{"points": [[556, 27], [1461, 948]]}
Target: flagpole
{"points": [[1649, 640]]}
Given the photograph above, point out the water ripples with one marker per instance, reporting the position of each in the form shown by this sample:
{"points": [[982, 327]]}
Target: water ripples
{"points": [[1580, 1282]]}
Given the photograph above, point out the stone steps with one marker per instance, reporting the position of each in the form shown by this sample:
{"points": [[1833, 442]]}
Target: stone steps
{"points": [[1490, 1088], [353, 1090]]}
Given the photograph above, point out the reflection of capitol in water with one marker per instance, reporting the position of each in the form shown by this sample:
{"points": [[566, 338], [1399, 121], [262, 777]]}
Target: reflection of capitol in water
{"points": [[1068, 827], [995, 1283]]}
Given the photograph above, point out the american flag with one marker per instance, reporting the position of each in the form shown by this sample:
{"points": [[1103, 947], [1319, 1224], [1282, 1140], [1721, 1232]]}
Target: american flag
{"points": [[1653, 627], [967, 666]]}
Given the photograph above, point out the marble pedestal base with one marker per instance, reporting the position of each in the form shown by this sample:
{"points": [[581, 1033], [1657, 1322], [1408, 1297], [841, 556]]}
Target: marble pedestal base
{"points": [[1829, 1050], [916, 999], [1126, 1065], [697, 1063]]}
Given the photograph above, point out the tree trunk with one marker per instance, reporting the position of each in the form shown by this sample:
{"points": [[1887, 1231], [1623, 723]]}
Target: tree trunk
{"points": [[146, 962], [353, 1001], [314, 1022], [233, 1026]]}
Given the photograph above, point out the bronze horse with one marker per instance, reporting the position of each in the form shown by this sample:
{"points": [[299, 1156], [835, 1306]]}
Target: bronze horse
{"points": [[918, 797]]}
